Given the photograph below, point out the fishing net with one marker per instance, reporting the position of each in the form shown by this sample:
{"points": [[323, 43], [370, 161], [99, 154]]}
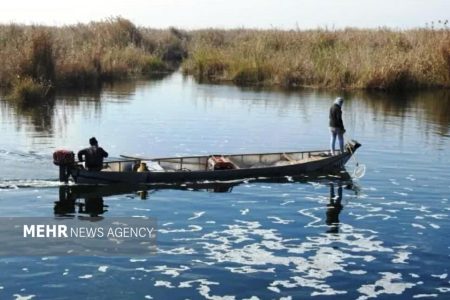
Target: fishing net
{"points": [[359, 171]]}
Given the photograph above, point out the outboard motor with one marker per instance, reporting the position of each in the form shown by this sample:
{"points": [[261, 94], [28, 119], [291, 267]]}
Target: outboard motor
{"points": [[64, 159]]}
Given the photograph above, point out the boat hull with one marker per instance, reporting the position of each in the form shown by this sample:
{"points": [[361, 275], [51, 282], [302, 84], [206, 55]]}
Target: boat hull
{"points": [[326, 164]]}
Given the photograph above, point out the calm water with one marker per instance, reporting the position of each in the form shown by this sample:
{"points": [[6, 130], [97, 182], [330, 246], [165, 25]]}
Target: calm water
{"points": [[260, 240]]}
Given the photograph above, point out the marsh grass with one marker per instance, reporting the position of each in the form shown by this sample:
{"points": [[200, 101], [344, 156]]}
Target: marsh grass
{"points": [[27, 91], [84, 55], [344, 59]]}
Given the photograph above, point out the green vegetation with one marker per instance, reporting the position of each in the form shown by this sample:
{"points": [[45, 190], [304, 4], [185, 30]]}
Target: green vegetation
{"points": [[345, 59], [36, 59]]}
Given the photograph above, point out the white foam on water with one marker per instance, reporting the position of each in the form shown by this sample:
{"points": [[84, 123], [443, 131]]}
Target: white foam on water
{"points": [[306, 213], [167, 224], [287, 202], [103, 268], [249, 270], [441, 276], [394, 182], [374, 209], [144, 209], [203, 289], [244, 211], [189, 284], [148, 297], [277, 220], [423, 209], [443, 289], [382, 216], [400, 203], [177, 251], [296, 281], [370, 188], [197, 215], [357, 272], [405, 247], [210, 222], [251, 248], [418, 226], [192, 228], [401, 194], [435, 226], [6, 185], [137, 260], [140, 217], [228, 246], [388, 284], [438, 216], [171, 271], [49, 258], [274, 289], [165, 284], [20, 297], [87, 276], [401, 257], [410, 178], [413, 275], [425, 296]]}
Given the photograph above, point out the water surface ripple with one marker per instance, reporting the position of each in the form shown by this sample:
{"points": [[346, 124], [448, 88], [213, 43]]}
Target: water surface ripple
{"points": [[383, 236]]}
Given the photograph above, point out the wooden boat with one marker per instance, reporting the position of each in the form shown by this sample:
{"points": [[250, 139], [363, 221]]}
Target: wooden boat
{"points": [[172, 170]]}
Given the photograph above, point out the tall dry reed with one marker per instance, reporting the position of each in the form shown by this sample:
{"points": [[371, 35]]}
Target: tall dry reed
{"points": [[84, 55], [342, 59]]}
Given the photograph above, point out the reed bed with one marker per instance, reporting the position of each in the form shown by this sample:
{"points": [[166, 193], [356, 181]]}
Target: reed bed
{"points": [[36, 59], [339, 59]]}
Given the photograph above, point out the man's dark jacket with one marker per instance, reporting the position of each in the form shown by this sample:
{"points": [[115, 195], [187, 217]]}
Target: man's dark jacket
{"points": [[93, 157], [336, 117]]}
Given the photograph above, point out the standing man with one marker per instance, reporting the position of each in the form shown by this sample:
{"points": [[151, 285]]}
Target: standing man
{"points": [[93, 156], [336, 125]]}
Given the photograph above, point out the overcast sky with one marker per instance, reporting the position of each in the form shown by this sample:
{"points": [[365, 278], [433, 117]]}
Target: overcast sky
{"points": [[191, 14]]}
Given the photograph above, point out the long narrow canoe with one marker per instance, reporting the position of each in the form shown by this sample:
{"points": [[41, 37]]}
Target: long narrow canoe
{"points": [[172, 170]]}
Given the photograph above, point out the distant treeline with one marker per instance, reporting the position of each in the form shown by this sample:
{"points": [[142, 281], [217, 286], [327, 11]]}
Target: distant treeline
{"points": [[35, 59]]}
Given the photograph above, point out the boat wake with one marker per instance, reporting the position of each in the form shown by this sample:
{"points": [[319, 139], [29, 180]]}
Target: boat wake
{"points": [[15, 184]]}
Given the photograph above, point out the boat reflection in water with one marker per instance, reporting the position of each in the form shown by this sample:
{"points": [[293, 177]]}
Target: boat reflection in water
{"points": [[85, 202]]}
